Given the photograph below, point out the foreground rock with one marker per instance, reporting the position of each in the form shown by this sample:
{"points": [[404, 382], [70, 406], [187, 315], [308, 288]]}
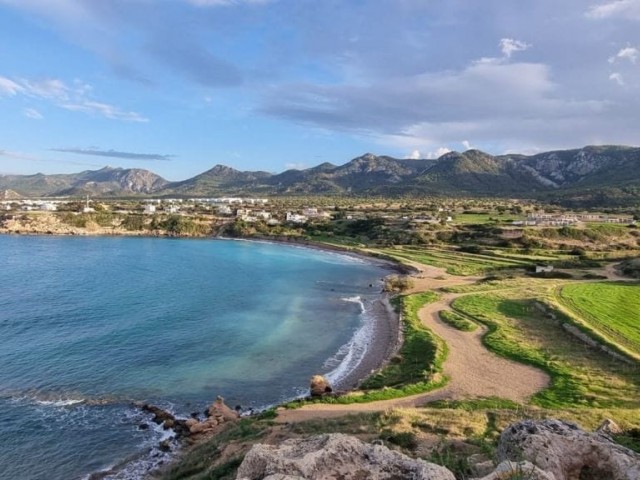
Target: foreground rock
{"points": [[568, 453], [334, 456]]}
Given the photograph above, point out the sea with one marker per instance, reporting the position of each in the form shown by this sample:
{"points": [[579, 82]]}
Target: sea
{"points": [[91, 325]]}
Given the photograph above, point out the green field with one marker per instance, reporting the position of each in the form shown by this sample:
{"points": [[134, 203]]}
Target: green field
{"points": [[611, 309], [483, 218], [456, 262]]}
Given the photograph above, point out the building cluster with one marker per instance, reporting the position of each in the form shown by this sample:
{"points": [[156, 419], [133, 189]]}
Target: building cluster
{"points": [[32, 205], [565, 220]]}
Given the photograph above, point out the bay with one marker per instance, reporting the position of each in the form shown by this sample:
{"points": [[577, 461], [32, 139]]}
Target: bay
{"points": [[89, 325]]}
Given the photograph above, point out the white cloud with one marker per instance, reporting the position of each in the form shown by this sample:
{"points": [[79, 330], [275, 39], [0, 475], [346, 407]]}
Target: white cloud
{"points": [[627, 53], [104, 110], [626, 9], [437, 153], [32, 113], [295, 166], [617, 77], [75, 98], [9, 87], [510, 45], [466, 145], [415, 155]]}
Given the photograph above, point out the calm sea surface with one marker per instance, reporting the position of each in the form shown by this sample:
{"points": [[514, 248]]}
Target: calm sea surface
{"points": [[90, 325]]}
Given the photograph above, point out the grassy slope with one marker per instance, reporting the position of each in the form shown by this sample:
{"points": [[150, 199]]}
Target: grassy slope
{"points": [[612, 309], [581, 376]]}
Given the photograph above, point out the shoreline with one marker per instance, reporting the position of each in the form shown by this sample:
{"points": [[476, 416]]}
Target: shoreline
{"points": [[382, 325]]}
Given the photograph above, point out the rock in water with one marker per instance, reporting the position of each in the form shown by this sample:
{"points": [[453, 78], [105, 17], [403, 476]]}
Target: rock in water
{"points": [[221, 411], [566, 451], [334, 456], [319, 386]]}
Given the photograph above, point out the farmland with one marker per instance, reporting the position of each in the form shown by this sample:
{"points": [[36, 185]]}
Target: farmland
{"points": [[611, 309]]}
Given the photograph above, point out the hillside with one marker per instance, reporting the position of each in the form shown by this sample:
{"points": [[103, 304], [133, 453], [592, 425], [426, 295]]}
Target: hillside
{"points": [[106, 181], [590, 175]]}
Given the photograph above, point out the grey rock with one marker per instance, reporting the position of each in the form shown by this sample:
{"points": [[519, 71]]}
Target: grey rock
{"points": [[334, 456], [567, 452]]}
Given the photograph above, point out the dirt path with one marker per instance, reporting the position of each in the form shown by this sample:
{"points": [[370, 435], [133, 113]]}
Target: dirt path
{"points": [[472, 369]]}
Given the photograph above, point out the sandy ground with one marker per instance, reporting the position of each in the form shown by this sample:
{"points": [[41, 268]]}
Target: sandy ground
{"points": [[472, 369]]}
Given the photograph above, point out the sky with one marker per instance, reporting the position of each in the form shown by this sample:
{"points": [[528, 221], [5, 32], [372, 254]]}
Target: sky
{"points": [[178, 86]]}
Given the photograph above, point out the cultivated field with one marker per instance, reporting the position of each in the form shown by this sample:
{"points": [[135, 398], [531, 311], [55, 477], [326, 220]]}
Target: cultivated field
{"points": [[612, 309]]}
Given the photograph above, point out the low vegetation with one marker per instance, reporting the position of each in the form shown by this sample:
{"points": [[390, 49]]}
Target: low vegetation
{"points": [[457, 321]]}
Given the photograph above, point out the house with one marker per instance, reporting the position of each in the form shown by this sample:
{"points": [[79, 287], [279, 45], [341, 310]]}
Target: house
{"points": [[295, 218], [149, 209]]}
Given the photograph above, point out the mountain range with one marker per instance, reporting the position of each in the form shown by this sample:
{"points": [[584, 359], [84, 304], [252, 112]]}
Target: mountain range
{"points": [[605, 174]]}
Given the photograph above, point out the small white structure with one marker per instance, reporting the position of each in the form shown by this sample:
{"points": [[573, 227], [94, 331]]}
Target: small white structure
{"points": [[295, 218], [149, 209], [173, 209], [48, 207], [544, 268], [224, 210]]}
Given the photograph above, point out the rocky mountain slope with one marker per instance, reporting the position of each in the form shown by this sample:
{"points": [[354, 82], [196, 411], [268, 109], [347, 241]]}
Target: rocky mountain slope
{"points": [[106, 181], [591, 173]]}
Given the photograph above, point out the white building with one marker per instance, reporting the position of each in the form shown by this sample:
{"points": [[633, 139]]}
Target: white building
{"points": [[149, 209], [295, 218]]}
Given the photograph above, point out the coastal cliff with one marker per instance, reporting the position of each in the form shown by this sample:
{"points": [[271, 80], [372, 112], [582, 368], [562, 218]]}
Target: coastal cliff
{"points": [[527, 450]]}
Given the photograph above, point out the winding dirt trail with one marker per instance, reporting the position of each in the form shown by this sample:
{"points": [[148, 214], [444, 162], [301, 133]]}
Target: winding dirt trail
{"points": [[473, 370]]}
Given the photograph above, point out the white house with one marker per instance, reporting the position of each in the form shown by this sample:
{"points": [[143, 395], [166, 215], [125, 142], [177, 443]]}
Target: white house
{"points": [[295, 218], [149, 209]]}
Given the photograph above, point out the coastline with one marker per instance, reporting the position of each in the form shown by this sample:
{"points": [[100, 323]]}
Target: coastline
{"points": [[379, 318], [384, 343]]}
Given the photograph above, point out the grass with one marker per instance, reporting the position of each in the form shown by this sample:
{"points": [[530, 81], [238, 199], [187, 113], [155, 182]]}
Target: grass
{"points": [[421, 353], [611, 309], [456, 262], [416, 369], [484, 218], [203, 462], [457, 321], [580, 376]]}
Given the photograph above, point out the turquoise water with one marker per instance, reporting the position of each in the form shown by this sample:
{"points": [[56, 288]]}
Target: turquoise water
{"points": [[89, 325]]}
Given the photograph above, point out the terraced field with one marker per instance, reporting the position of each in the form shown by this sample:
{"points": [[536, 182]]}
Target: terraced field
{"points": [[456, 262], [612, 309]]}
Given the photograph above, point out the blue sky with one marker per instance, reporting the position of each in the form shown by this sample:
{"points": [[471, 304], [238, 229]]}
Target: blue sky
{"points": [[177, 86]]}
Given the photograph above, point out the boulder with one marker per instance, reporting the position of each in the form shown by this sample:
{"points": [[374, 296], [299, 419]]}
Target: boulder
{"points": [[522, 470], [567, 452], [159, 415], [319, 386], [221, 411], [334, 456], [609, 427]]}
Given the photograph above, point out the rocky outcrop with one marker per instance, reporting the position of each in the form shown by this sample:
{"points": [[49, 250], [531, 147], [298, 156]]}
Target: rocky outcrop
{"points": [[319, 386], [331, 457], [567, 452], [217, 414], [516, 471]]}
